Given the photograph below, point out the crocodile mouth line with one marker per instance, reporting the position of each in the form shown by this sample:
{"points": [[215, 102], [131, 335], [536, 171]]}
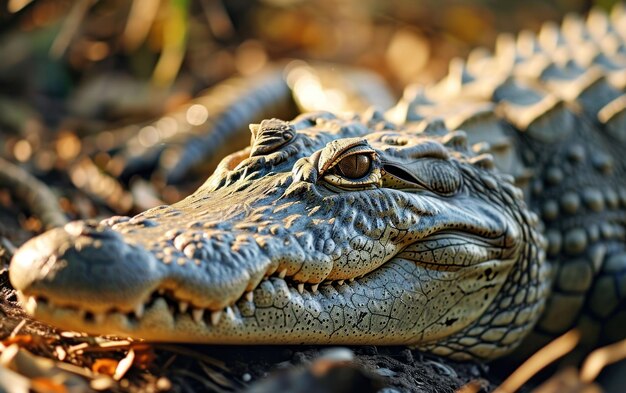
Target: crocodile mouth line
{"points": [[177, 308], [166, 299]]}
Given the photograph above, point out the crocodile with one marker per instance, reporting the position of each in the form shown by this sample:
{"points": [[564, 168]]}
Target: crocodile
{"points": [[481, 212]]}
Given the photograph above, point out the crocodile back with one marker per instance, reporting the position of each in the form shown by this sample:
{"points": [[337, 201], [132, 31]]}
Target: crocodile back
{"points": [[550, 107]]}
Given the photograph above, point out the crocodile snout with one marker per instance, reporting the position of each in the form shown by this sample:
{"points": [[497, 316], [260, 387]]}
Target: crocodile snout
{"points": [[82, 261]]}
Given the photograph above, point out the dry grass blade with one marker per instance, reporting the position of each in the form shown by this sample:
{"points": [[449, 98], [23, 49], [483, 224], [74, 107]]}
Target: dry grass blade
{"points": [[115, 344], [79, 348], [16, 5], [209, 385], [124, 365], [541, 359], [175, 28], [169, 362], [140, 19], [82, 371], [216, 377], [194, 354], [219, 22], [70, 26], [70, 334], [17, 329], [600, 358]]}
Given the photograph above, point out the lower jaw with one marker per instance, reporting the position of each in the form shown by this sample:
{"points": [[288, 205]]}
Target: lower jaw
{"points": [[387, 307], [290, 318]]}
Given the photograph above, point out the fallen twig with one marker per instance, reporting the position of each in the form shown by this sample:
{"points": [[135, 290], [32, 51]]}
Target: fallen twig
{"points": [[540, 360], [600, 358]]}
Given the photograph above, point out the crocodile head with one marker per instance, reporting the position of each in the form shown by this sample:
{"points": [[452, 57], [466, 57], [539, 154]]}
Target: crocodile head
{"points": [[324, 230]]}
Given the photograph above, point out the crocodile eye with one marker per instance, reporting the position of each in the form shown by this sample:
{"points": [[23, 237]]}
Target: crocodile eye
{"points": [[349, 164], [355, 166], [355, 171]]}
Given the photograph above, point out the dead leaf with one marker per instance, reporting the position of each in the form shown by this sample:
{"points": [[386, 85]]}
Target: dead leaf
{"points": [[105, 366]]}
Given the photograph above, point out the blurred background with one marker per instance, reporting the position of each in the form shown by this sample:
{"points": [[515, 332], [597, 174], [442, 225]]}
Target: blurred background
{"points": [[116, 106], [88, 87]]}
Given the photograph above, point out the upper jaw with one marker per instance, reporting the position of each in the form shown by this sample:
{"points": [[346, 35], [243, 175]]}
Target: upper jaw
{"points": [[71, 264], [63, 274]]}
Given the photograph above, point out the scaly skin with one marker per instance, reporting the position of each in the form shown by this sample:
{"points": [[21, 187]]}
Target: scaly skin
{"points": [[360, 231], [433, 252], [551, 109]]}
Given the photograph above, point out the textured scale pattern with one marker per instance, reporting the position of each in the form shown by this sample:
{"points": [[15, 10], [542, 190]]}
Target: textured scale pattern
{"points": [[273, 249], [479, 212], [562, 94]]}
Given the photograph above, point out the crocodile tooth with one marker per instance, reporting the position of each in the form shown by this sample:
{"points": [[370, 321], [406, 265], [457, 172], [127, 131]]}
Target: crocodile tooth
{"points": [[282, 273], [250, 296], [139, 310], [351, 279], [314, 287], [98, 318], [197, 314], [215, 317], [230, 313], [301, 288], [182, 306], [340, 282]]}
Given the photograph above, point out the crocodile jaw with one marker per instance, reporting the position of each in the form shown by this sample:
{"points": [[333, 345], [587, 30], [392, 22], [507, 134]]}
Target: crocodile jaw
{"points": [[438, 254], [392, 305], [401, 297]]}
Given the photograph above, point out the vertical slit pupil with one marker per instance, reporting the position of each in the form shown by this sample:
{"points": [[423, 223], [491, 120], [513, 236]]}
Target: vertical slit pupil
{"points": [[355, 166]]}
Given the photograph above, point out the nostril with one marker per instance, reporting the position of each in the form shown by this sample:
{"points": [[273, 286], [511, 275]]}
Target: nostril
{"points": [[90, 229], [85, 264]]}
